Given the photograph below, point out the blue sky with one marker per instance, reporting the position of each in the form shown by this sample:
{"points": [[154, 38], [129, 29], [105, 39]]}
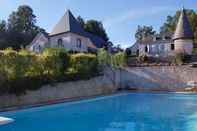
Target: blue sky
{"points": [[120, 17]]}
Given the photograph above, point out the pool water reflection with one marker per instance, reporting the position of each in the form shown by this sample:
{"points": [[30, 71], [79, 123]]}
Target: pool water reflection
{"points": [[123, 112]]}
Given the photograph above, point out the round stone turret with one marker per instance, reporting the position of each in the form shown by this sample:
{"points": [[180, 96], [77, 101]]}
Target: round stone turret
{"points": [[183, 36]]}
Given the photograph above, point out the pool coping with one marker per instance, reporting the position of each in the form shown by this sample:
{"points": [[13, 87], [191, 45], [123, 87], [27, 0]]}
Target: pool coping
{"points": [[76, 99], [57, 101]]}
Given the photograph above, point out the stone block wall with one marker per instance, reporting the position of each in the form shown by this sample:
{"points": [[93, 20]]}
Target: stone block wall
{"points": [[95, 86], [171, 77]]}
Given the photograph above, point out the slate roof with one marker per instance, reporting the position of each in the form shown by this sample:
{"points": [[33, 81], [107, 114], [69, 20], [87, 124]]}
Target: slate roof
{"points": [[68, 23], [98, 41], [183, 29]]}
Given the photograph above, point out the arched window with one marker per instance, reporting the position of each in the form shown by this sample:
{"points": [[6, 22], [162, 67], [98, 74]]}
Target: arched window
{"points": [[79, 43], [146, 49], [60, 43], [172, 47], [39, 48]]}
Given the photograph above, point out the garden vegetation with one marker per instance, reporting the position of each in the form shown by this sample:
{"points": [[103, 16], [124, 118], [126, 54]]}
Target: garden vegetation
{"points": [[23, 70]]}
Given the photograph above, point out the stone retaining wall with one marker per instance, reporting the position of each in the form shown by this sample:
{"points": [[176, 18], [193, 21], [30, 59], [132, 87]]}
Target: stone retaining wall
{"points": [[96, 86], [170, 77]]}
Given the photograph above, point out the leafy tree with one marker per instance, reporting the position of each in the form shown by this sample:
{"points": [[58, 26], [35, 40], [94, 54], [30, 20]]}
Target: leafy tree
{"points": [[3, 33], [21, 27], [23, 20], [96, 27], [143, 32], [171, 21], [2, 26]]}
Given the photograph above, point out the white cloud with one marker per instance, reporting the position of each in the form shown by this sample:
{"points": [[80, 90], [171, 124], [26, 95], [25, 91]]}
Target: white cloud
{"points": [[136, 14], [124, 44]]}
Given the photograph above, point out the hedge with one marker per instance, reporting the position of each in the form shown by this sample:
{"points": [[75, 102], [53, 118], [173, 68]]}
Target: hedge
{"points": [[24, 70]]}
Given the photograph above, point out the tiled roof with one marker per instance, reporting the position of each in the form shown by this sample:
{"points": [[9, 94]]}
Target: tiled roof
{"points": [[183, 29]]}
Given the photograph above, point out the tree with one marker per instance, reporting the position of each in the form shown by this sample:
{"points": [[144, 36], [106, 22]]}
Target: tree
{"points": [[81, 21], [171, 21], [3, 27], [143, 32], [21, 27], [96, 27], [23, 20]]}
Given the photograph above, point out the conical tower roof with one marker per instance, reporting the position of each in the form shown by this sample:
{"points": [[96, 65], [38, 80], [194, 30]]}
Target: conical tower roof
{"points": [[68, 23], [183, 29]]}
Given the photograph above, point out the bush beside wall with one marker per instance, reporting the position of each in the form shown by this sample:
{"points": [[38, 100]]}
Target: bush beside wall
{"points": [[23, 70]]}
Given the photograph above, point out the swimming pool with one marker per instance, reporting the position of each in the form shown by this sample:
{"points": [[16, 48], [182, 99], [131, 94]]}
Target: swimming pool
{"points": [[123, 112]]}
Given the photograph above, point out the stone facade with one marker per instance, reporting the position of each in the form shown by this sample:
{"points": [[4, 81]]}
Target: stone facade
{"points": [[164, 45], [70, 42], [156, 48], [185, 46]]}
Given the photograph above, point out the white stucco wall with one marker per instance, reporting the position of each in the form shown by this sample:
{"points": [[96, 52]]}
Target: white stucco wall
{"points": [[40, 41], [185, 46], [157, 49], [70, 42]]}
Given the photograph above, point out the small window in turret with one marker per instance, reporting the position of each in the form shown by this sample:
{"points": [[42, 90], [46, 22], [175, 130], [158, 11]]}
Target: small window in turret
{"points": [[167, 38], [172, 47], [146, 49]]}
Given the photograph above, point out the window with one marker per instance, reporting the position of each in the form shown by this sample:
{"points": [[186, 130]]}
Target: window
{"points": [[78, 43], [39, 48], [172, 47], [158, 38], [34, 48], [60, 43], [146, 49], [167, 38]]}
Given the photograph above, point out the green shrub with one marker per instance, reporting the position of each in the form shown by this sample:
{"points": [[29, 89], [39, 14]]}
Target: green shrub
{"points": [[195, 51], [84, 65], [118, 60], [55, 61], [24, 70], [111, 60]]}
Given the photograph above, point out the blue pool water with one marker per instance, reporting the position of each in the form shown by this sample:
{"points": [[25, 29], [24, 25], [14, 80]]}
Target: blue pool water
{"points": [[123, 112]]}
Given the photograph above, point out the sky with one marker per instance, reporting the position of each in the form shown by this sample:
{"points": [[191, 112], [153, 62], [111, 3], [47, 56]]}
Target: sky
{"points": [[119, 17]]}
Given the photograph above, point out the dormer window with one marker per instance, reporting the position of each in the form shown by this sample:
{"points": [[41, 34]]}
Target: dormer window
{"points": [[60, 43], [78, 43]]}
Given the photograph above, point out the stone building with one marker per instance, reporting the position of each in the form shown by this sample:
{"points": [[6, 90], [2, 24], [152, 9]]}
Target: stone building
{"points": [[67, 34], [169, 44]]}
